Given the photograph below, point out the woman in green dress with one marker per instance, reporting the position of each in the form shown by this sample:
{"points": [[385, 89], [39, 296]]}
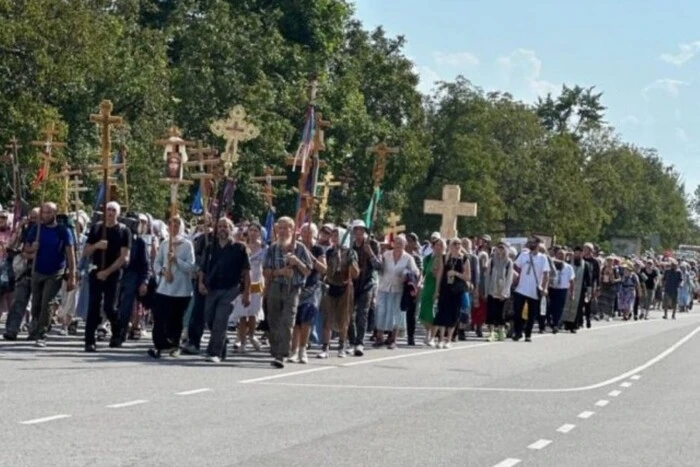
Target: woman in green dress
{"points": [[432, 267]]}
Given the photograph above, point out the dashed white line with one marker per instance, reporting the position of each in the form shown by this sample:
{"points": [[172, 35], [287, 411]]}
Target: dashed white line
{"points": [[636, 377], [121, 405], [45, 419], [566, 428], [540, 444], [586, 414], [510, 462], [614, 393], [602, 403], [192, 392], [626, 384]]}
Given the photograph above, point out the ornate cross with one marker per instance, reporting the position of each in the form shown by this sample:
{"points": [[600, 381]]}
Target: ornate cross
{"points": [[382, 152], [206, 160], [393, 228], [234, 129], [450, 208], [65, 176], [326, 185], [47, 147], [267, 180]]}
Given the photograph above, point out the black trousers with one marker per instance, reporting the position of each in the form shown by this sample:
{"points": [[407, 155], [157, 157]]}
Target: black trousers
{"points": [[411, 318], [102, 297], [533, 307], [168, 313]]}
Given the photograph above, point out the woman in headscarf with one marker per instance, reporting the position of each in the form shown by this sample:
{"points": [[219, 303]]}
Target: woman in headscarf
{"points": [[175, 268], [685, 290], [627, 292], [432, 266], [609, 279], [499, 279]]}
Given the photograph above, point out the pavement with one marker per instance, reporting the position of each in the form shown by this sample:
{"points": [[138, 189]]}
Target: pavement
{"points": [[620, 394]]}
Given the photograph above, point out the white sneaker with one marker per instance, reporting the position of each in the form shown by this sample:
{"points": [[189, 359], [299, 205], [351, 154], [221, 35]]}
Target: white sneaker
{"points": [[342, 353], [213, 359], [323, 354], [446, 345], [256, 343], [294, 357], [41, 343], [426, 341], [241, 348], [303, 357]]}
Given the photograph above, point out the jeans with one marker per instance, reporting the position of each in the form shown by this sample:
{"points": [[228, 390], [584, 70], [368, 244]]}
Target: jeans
{"points": [[127, 296], [23, 290], [358, 320], [195, 328], [533, 311], [282, 303], [45, 288], [217, 309], [106, 289]]}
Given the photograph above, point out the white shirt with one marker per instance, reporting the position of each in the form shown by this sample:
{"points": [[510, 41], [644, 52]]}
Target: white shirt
{"points": [[393, 273], [531, 280], [564, 277]]}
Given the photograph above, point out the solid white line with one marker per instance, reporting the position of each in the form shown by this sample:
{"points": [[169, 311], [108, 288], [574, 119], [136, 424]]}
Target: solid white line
{"points": [[602, 384], [45, 419], [193, 391], [586, 414], [626, 384], [566, 428], [636, 377], [602, 403], [508, 463], [614, 393], [540, 444], [127, 404]]}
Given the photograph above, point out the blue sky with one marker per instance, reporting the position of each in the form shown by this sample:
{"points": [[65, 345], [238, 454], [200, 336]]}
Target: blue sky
{"points": [[644, 55]]}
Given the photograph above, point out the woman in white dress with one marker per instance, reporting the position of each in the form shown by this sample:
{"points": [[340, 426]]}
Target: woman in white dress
{"points": [[248, 317]]}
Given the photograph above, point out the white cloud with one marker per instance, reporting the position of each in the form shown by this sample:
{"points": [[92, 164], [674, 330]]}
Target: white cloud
{"points": [[667, 85], [630, 120], [682, 135], [456, 60], [687, 52], [427, 77], [524, 65]]}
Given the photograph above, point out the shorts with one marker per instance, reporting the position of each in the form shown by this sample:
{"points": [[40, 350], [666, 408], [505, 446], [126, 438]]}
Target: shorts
{"points": [[670, 301], [306, 313]]}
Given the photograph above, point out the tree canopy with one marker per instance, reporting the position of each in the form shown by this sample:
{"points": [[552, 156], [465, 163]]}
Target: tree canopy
{"points": [[555, 167]]}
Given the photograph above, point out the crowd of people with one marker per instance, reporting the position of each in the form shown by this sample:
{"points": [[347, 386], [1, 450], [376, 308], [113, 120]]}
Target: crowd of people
{"points": [[297, 289]]}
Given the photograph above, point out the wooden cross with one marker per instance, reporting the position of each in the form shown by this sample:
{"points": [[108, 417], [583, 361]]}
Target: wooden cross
{"points": [[267, 180], [393, 228], [382, 152], [450, 208], [327, 185], [233, 130], [175, 158], [47, 152], [11, 157], [75, 187], [206, 160], [65, 176]]}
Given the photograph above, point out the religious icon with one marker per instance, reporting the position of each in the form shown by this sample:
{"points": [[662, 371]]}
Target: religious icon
{"points": [[175, 155]]}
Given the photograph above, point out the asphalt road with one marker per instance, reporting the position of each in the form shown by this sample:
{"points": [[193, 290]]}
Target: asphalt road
{"points": [[621, 394]]}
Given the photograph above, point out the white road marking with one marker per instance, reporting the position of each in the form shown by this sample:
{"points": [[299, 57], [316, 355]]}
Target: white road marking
{"points": [[508, 463], [192, 392], [540, 444], [566, 428], [602, 403], [636, 377], [626, 384], [127, 404], [602, 384], [614, 393], [586, 414], [45, 419]]}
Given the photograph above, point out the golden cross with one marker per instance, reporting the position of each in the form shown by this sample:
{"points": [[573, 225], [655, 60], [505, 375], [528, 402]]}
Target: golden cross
{"points": [[382, 151], [106, 120], [450, 208], [47, 148], [234, 129], [327, 184], [393, 227], [267, 180], [206, 160], [65, 175]]}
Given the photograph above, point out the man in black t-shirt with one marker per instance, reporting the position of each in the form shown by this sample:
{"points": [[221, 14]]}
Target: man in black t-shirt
{"points": [[108, 258], [650, 279]]}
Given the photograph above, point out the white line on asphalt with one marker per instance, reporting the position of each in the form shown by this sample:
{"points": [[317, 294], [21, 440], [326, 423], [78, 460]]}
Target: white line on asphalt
{"points": [[127, 404], [586, 414], [607, 382], [566, 428], [626, 384], [45, 419], [192, 392], [636, 377], [508, 463], [602, 403], [614, 393], [540, 444]]}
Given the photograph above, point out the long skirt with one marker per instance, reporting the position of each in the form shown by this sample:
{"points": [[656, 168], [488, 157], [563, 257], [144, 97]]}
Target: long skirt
{"points": [[606, 301], [495, 311], [388, 311]]}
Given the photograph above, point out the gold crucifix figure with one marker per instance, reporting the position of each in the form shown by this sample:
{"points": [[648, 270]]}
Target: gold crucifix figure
{"points": [[234, 130], [382, 152], [393, 228]]}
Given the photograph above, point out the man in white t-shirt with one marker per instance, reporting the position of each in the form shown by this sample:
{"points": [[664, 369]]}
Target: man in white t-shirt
{"points": [[561, 287], [533, 284]]}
